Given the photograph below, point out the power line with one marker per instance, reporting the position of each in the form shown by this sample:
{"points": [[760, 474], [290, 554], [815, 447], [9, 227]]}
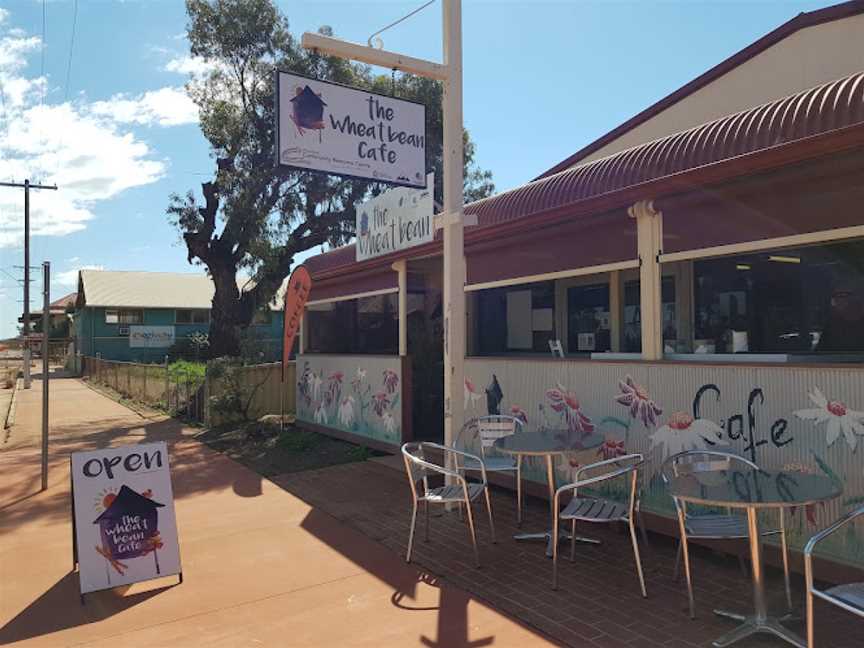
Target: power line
{"points": [[71, 48]]}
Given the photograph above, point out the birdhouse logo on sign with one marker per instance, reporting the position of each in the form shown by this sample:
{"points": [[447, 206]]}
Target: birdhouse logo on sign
{"points": [[129, 528], [364, 224], [307, 111]]}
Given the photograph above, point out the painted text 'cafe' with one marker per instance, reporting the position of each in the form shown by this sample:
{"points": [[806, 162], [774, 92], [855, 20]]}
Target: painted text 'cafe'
{"points": [[699, 272]]}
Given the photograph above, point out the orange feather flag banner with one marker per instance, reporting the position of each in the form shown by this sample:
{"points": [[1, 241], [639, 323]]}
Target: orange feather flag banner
{"points": [[296, 295]]}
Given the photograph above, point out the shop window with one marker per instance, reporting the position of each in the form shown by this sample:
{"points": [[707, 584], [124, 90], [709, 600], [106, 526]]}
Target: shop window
{"points": [[262, 317], [124, 317], [354, 326], [515, 319], [588, 319], [631, 330], [794, 301], [192, 316]]}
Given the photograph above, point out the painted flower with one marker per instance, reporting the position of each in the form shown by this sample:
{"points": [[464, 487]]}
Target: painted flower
{"points": [[359, 378], [471, 393], [636, 398], [315, 383], [519, 413], [346, 411], [839, 418], [380, 402], [611, 449], [391, 380], [389, 423], [321, 414], [565, 402], [682, 432]]}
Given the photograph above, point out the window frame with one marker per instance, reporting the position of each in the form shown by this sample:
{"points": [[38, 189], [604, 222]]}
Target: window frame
{"points": [[119, 315], [192, 312]]}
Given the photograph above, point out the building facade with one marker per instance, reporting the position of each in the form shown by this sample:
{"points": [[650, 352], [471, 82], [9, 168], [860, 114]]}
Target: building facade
{"points": [[699, 271]]}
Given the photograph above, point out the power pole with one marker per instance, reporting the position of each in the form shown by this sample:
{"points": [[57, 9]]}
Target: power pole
{"points": [[27, 186], [450, 72], [46, 327]]}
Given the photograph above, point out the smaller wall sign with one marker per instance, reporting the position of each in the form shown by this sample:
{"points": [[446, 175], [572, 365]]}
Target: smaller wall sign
{"points": [[123, 519], [395, 220], [349, 132], [152, 337]]}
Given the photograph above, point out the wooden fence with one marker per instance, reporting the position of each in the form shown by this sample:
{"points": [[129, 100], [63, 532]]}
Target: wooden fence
{"points": [[266, 381]]}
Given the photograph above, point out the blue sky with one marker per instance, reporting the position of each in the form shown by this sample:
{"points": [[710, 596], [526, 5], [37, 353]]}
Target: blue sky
{"points": [[542, 79]]}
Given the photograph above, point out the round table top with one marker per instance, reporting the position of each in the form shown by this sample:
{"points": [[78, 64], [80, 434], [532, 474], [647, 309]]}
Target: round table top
{"points": [[753, 488], [547, 442]]}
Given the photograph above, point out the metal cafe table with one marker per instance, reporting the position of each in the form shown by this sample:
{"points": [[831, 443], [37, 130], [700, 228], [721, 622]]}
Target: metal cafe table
{"points": [[753, 490], [548, 444]]}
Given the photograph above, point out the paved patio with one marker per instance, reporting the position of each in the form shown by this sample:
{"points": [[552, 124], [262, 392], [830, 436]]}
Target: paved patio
{"points": [[598, 604], [261, 567]]}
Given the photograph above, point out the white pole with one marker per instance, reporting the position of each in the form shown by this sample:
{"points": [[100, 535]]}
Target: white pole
{"points": [[46, 326], [454, 243], [401, 267]]}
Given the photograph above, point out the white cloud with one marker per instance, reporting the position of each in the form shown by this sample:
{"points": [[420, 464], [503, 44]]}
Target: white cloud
{"points": [[191, 65], [165, 107], [87, 148], [70, 277]]}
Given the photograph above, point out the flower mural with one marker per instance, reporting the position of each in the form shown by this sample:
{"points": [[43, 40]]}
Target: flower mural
{"points": [[838, 417], [567, 405], [519, 413], [326, 397], [471, 393], [611, 448], [682, 432], [637, 399], [391, 381]]}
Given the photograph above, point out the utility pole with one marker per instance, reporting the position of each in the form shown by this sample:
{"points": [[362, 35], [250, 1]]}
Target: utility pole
{"points": [[27, 186], [46, 327], [450, 72]]}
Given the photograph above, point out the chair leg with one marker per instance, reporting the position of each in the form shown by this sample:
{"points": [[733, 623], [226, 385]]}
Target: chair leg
{"points": [[519, 490], [810, 621], [632, 524], [677, 573], [642, 528], [785, 549], [426, 531], [555, 551], [686, 554], [411, 533], [489, 510], [470, 516], [742, 565], [573, 541]]}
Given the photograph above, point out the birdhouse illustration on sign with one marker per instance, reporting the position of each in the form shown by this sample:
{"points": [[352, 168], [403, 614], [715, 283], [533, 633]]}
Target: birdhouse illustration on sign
{"points": [[129, 528], [364, 224], [308, 111]]}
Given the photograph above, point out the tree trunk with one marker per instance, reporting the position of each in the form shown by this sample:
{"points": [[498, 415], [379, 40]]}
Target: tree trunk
{"points": [[226, 316]]}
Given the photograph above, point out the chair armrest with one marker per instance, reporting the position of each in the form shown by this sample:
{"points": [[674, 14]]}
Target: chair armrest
{"points": [[824, 533], [459, 453], [638, 460]]}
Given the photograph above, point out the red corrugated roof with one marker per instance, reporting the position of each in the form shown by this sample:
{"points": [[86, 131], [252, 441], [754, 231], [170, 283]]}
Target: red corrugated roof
{"points": [[817, 111]]}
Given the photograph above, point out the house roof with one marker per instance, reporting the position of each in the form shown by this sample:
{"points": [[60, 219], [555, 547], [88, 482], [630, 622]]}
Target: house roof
{"points": [[818, 121], [799, 22], [111, 288]]}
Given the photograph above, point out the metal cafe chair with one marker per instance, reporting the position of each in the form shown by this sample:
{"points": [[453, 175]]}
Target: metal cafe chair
{"points": [[487, 429], [849, 596], [587, 508], [713, 526], [459, 490]]}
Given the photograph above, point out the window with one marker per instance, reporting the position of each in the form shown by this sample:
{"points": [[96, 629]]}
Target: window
{"points": [[365, 325], [588, 325], [124, 317], [192, 316], [795, 301], [631, 331], [262, 317], [515, 318]]}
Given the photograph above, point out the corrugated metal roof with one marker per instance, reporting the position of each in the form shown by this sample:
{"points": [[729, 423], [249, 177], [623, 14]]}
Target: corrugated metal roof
{"points": [[817, 111], [125, 289]]}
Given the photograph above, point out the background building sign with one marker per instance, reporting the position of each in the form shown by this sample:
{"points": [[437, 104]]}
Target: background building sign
{"points": [[397, 219], [151, 337], [123, 516], [331, 128]]}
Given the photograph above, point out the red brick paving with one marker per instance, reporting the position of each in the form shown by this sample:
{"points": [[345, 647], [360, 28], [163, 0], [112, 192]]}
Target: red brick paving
{"points": [[598, 604]]}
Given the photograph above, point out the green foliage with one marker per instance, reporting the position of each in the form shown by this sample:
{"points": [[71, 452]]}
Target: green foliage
{"points": [[254, 216], [293, 440], [184, 371], [233, 392]]}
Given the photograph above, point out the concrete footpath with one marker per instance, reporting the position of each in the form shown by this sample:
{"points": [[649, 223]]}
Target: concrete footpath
{"points": [[261, 567]]}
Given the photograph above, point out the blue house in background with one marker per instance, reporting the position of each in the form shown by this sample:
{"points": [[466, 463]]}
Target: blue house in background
{"points": [[144, 316]]}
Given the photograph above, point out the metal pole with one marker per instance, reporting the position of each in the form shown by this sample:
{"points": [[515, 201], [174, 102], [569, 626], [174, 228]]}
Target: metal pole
{"points": [[454, 244], [26, 328], [46, 323]]}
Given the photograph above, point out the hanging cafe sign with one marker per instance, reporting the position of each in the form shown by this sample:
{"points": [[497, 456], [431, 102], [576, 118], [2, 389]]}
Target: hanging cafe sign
{"points": [[349, 132], [395, 220]]}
